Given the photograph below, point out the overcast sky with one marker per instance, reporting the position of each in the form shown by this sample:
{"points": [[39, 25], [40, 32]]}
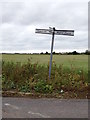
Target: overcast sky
{"points": [[20, 19]]}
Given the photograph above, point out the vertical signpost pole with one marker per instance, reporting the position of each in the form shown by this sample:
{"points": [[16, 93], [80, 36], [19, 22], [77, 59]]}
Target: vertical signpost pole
{"points": [[53, 32]]}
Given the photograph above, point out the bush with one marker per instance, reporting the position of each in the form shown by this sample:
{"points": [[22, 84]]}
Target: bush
{"points": [[34, 77]]}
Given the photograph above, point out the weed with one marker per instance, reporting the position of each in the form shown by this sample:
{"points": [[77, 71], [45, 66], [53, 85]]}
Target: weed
{"points": [[30, 76]]}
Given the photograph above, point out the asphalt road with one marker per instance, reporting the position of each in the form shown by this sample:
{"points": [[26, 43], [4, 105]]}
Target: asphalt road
{"points": [[44, 108]]}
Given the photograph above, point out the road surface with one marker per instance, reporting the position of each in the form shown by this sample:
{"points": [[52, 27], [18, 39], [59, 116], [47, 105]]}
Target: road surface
{"points": [[44, 108]]}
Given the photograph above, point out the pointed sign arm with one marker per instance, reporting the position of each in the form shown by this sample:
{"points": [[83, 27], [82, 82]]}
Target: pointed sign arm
{"points": [[56, 32]]}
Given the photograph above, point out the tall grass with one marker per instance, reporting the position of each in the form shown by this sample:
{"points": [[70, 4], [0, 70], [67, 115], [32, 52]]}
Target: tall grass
{"points": [[30, 77]]}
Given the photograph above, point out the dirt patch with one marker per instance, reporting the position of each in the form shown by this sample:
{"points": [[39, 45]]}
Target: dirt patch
{"points": [[64, 95]]}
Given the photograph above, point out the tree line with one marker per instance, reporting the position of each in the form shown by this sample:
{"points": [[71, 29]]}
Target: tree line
{"points": [[69, 53], [87, 52]]}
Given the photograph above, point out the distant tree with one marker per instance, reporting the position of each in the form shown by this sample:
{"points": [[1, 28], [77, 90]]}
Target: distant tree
{"points": [[16, 53], [54, 53], [41, 53], [46, 52], [75, 53], [87, 52]]}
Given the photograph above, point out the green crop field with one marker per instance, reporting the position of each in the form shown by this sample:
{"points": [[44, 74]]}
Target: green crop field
{"points": [[77, 61]]}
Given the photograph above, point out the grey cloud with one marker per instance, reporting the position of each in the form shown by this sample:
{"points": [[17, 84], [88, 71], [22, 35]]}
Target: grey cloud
{"points": [[43, 12], [19, 21], [10, 11]]}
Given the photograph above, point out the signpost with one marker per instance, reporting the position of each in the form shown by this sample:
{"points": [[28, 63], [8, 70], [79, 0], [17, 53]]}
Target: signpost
{"points": [[53, 32]]}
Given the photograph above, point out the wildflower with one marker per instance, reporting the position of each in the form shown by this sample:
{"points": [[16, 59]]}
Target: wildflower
{"points": [[61, 91]]}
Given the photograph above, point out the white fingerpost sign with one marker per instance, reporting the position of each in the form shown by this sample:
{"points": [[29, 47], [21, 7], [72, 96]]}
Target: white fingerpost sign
{"points": [[53, 32]]}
